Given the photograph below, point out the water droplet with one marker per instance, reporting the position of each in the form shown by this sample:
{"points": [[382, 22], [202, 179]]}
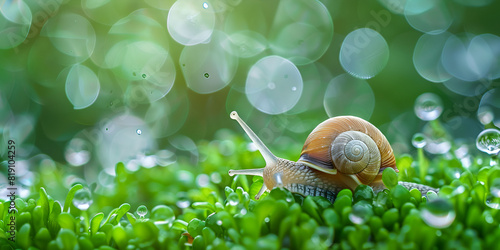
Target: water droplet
{"points": [[438, 213], [419, 140], [233, 199], [428, 106], [138, 131], [361, 212], [485, 115], [82, 199], [162, 214], [142, 211], [219, 222], [289, 199], [106, 129], [271, 85], [488, 141], [294, 88], [205, 5], [207, 75], [266, 220], [493, 202], [144, 75]]}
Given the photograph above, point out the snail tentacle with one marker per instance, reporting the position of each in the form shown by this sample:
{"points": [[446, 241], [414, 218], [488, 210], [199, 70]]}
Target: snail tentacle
{"points": [[257, 172], [261, 191], [269, 157]]}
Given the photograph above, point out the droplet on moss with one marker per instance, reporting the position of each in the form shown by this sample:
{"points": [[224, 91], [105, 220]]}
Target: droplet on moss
{"points": [[142, 211]]}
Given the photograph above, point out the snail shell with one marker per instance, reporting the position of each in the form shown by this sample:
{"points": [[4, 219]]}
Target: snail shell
{"points": [[349, 145]]}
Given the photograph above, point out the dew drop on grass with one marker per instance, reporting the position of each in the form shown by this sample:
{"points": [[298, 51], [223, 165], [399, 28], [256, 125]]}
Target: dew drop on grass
{"points": [[142, 211], [438, 213], [206, 75], [144, 76], [205, 5], [82, 199], [219, 222], [493, 202], [488, 141], [361, 212], [138, 131], [267, 219], [419, 140], [233, 199], [162, 214], [428, 106]]}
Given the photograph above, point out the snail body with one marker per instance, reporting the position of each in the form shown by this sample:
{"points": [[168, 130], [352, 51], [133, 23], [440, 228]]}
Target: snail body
{"points": [[341, 152]]}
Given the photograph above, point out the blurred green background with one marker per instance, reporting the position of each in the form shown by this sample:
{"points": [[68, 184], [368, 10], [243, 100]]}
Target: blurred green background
{"points": [[89, 83]]}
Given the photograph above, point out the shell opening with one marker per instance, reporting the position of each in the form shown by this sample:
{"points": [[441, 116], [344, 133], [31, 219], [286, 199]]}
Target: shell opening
{"points": [[266, 153]]}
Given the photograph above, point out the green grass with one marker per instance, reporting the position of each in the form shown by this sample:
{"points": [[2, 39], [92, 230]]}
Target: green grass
{"points": [[184, 211]]}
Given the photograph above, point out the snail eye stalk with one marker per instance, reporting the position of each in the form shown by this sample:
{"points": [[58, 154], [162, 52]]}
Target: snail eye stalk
{"points": [[266, 153]]}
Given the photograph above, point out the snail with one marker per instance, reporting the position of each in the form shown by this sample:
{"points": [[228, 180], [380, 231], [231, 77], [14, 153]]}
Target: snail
{"points": [[341, 152]]}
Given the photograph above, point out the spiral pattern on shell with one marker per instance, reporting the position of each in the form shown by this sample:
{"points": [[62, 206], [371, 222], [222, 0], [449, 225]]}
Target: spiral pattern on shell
{"points": [[354, 152]]}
